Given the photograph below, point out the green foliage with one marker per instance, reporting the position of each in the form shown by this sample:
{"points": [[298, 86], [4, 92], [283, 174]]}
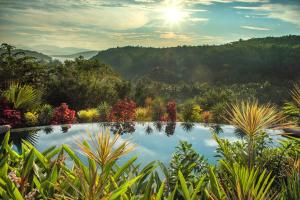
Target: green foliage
{"points": [[23, 97], [190, 164], [158, 109], [88, 115], [269, 59], [104, 110], [45, 114], [219, 112], [191, 112], [83, 84]]}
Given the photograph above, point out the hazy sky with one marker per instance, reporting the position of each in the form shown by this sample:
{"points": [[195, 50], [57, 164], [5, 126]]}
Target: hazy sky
{"points": [[100, 24]]}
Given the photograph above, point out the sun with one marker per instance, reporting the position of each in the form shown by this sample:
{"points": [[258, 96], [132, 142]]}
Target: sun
{"points": [[173, 15]]}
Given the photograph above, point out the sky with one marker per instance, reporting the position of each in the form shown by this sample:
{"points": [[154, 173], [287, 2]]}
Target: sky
{"points": [[102, 24]]}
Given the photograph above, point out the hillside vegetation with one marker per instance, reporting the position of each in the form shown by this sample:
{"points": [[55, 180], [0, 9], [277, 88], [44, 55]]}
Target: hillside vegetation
{"points": [[273, 59]]}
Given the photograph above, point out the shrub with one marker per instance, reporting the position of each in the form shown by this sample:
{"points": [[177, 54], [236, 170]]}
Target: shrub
{"points": [[22, 97], [31, 118], [123, 111], [104, 109], [88, 115], [142, 114], [11, 117], [158, 110], [45, 114], [63, 115], [191, 112], [189, 162], [171, 110], [218, 112], [206, 116]]}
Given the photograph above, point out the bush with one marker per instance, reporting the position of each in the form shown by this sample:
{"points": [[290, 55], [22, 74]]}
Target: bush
{"points": [[123, 111], [158, 110], [45, 114], [189, 162], [11, 117], [31, 118], [88, 115], [142, 114], [63, 115], [191, 112], [171, 110], [104, 110], [206, 116], [218, 112]]}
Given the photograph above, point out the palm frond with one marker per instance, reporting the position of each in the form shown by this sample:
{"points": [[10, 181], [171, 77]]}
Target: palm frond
{"points": [[252, 118], [106, 152], [22, 96]]}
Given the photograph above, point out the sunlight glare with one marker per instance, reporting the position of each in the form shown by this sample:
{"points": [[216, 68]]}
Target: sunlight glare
{"points": [[173, 15]]}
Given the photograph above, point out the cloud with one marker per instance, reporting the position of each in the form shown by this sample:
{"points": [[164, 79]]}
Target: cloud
{"points": [[198, 19], [209, 2], [285, 12], [178, 37], [256, 28]]}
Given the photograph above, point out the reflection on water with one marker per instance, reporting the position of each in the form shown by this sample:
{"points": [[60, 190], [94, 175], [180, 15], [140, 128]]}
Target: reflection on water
{"points": [[154, 140], [16, 138]]}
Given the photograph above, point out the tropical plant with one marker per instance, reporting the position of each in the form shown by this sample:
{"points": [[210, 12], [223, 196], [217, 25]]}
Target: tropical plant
{"points": [[207, 116], [191, 112], [123, 111], [239, 182], [253, 119], [158, 110], [186, 161], [11, 117], [22, 97], [63, 115], [292, 109], [104, 110], [45, 114], [171, 111], [31, 118], [88, 115], [142, 114]]}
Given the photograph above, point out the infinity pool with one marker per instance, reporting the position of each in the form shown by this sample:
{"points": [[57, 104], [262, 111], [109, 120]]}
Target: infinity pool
{"points": [[154, 141]]}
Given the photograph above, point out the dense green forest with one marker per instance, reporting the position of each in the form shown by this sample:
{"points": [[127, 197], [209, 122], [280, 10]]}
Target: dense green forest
{"points": [[273, 59]]}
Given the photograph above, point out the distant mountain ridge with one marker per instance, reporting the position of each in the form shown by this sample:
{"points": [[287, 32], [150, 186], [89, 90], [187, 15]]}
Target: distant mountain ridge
{"points": [[85, 54], [35, 54], [269, 59]]}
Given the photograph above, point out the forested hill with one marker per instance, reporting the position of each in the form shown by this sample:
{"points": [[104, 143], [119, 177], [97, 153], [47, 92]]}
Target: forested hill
{"points": [[34, 54], [273, 59]]}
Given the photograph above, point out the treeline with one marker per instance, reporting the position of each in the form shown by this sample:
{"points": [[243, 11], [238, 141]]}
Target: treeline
{"points": [[271, 59]]}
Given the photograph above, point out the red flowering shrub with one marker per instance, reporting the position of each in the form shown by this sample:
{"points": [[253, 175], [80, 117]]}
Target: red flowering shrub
{"points": [[171, 110], [11, 117], [123, 111], [63, 115]]}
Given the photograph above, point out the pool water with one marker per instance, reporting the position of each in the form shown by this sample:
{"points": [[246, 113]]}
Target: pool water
{"points": [[153, 140]]}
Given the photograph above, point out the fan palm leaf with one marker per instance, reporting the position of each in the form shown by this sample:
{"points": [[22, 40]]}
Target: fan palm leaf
{"points": [[22, 97]]}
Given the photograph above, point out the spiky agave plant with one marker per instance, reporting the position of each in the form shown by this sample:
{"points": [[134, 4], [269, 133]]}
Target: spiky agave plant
{"points": [[253, 119]]}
